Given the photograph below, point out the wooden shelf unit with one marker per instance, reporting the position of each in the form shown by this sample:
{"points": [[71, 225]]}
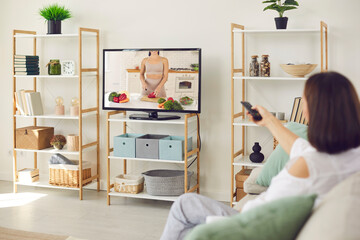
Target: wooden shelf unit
{"points": [[239, 157], [189, 158], [95, 145]]}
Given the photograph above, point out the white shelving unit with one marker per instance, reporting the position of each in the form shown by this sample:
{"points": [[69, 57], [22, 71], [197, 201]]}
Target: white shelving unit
{"points": [[190, 156], [239, 158], [83, 113]]}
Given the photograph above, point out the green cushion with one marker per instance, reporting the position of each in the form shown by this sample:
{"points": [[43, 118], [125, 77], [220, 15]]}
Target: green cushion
{"points": [[278, 158], [278, 220]]}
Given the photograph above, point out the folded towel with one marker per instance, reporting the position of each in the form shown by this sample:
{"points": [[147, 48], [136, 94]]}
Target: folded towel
{"points": [[60, 159]]}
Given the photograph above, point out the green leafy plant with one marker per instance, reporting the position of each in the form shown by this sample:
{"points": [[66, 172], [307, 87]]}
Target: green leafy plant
{"points": [[55, 12], [281, 7]]}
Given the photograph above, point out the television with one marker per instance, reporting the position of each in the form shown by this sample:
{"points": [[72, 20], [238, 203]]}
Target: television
{"points": [[152, 81]]}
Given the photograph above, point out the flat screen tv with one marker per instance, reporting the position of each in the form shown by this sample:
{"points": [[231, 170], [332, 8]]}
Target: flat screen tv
{"points": [[152, 81]]}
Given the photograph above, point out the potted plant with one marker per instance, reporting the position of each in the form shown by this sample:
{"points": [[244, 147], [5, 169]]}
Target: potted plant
{"points": [[281, 7], [58, 141], [54, 14]]}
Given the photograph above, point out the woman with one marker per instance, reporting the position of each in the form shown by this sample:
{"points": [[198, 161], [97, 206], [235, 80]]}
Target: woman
{"points": [[157, 69], [332, 153]]}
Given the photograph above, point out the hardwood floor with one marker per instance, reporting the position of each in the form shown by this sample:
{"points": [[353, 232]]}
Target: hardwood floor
{"points": [[60, 212]]}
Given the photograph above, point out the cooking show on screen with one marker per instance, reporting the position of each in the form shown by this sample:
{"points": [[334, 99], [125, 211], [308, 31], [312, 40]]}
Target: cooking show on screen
{"points": [[160, 80]]}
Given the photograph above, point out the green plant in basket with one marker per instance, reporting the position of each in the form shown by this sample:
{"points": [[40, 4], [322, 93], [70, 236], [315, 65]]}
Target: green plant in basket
{"points": [[55, 12]]}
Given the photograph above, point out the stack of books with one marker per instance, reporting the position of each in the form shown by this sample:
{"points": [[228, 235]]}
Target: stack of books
{"points": [[26, 65], [297, 111], [28, 102]]}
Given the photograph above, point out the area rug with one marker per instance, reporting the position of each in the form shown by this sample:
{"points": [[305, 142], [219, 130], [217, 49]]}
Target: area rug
{"points": [[12, 234]]}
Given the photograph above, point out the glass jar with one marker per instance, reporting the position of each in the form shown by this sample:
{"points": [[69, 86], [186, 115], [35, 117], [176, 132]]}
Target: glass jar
{"points": [[254, 66], [54, 67], [265, 66]]}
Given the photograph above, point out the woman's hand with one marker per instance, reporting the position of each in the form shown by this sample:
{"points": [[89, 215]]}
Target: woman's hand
{"points": [[144, 86], [157, 90], [267, 117]]}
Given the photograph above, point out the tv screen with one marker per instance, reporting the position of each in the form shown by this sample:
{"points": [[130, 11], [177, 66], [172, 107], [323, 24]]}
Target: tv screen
{"points": [[152, 80]]}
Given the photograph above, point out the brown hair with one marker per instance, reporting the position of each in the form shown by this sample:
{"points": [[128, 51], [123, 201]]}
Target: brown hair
{"points": [[334, 113]]}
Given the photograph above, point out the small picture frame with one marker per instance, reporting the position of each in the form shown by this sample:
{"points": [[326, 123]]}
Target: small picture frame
{"points": [[68, 67]]}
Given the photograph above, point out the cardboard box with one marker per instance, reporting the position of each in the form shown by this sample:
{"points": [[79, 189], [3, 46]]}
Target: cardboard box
{"points": [[34, 137]]}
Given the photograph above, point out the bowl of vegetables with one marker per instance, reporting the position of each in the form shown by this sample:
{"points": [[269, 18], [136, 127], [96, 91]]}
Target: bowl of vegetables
{"points": [[186, 100]]}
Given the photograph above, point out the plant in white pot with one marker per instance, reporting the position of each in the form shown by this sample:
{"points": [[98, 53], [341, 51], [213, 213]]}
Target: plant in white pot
{"points": [[281, 6], [54, 14]]}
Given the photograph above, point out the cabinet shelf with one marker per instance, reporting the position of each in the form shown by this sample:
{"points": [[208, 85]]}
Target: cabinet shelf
{"points": [[272, 78], [53, 150], [87, 74], [143, 195], [64, 35], [190, 158], [246, 122], [245, 161], [44, 183], [277, 31], [180, 121], [52, 116]]}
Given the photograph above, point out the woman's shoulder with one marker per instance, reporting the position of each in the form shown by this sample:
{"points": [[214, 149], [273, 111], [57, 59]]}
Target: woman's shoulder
{"points": [[164, 59]]}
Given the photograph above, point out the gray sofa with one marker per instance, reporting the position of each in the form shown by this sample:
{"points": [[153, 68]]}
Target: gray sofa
{"points": [[336, 217]]}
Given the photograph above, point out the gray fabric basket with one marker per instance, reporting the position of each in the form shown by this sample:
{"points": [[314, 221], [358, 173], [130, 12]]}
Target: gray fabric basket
{"points": [[163, 182]]}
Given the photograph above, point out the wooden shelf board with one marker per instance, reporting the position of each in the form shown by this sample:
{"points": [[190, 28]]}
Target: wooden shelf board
{"points": [[53, 151], [52, 116], [246, 122], [64, 35], [245, 161], [44, 183], [273, 78], [180, 121], [277, 31], [88, 74], [191, 158], [143, 195]]}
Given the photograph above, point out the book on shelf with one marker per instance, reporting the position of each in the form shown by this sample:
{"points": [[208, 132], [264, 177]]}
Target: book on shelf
{"points": [[24, 102], [18, 102], [29, 102], [26, 57], [36, 106], [299, 112], [295, 109], [27, 69], [27, 73]]}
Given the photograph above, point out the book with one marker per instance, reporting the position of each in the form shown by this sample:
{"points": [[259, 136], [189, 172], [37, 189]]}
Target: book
{"points": [[299, 112], [27, 73], [18, 103], [26, 57], [36, 105], [26, 66], [24, 102], [26, 69], [28, 103], [295, 109]]}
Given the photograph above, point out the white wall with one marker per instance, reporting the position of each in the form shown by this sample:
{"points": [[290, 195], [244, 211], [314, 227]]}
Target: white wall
{"points": [[187, 23]]}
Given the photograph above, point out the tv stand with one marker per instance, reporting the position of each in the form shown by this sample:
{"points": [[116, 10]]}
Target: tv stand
{"points": [[153, 116]]}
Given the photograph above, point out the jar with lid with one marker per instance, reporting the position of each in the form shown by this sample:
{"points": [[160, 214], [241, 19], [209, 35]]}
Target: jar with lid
{"points": [[254, 66], [54, 67], [265, 66]]}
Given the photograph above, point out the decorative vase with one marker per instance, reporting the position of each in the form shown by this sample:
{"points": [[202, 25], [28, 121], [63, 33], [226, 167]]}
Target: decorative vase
{"points": [[265, 66], [256, 156], [54, 27], [72, 142], [54, 67], [59, 110], [254, 66], [281, 22]]}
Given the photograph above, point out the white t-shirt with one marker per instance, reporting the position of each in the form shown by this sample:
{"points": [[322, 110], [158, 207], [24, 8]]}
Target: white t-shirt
{"points": [[325, 171]]}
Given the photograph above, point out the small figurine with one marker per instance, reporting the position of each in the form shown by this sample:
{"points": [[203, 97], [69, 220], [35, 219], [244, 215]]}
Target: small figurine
{"points": [[256, 156], [59, 108]]}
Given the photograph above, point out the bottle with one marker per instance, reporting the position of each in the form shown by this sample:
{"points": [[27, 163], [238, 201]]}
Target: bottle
{"points": [[254, 66], [265, 66], [256, 156]]}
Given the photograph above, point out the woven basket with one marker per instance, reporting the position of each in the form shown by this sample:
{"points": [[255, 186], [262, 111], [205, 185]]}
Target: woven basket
{"points": [[66, 175], [129, 184], [164, 182]]}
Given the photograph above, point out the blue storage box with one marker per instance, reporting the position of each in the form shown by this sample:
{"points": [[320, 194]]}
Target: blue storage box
{"points": [[147, 146], [172, 148], [125, 145]]}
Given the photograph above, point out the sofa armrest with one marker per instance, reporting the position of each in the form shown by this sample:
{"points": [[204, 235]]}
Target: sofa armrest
{"points": [[250, 185]]}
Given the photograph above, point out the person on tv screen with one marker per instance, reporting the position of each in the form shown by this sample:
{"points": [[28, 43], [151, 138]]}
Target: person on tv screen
{"points": [[156, 69]]}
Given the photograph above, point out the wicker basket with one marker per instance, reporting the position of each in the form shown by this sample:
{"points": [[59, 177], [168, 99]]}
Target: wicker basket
{"points": [[125, 183], [66, 175]]}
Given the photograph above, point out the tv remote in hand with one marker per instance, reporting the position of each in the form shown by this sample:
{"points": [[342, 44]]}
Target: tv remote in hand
{"points": [[254, 113]]}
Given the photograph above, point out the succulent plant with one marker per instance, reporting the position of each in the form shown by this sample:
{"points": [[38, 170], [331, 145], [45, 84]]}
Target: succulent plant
{"points": [[58, 141]]}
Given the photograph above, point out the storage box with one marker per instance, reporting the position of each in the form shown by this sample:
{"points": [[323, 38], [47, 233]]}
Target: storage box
{"points": [[172, 148], [240, 178], [129, 183], [67, 175], [124, 145], [28, 175], [164, 182], [147, 146], [34, 137]]}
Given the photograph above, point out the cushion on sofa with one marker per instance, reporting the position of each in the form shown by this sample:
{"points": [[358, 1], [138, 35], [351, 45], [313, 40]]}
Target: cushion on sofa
{"points": [[239, 205], [279, 219], [337, 216], [250, 185], [278, 158]]}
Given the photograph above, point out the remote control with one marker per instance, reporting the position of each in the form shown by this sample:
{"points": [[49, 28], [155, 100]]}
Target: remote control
{"points": [[254, 113]]}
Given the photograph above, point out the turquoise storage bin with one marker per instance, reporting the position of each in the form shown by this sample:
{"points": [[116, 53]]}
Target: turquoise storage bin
{"points": [[172, 148], [125, 145]]}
